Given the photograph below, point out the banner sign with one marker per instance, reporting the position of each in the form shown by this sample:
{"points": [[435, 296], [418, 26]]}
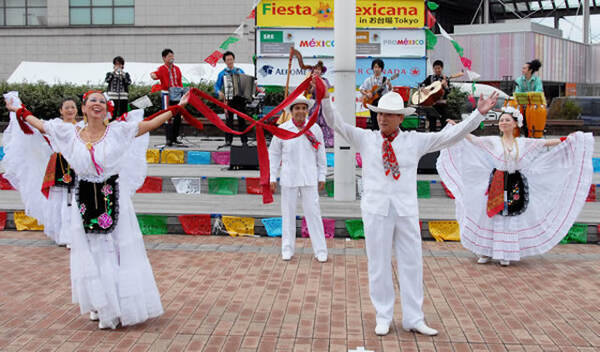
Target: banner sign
{"points": [[321, 43], [319, 13], [273, 70]]}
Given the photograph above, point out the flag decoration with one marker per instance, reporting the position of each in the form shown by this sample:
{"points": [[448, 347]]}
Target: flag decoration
{"points": [[329, 188], [328, 227], [2, 220], [330, 159], [196, 224], [430, 39], [272, 226], [221, 158], [592, 195], [213, 58], [1, 153], [152, 224], [577, 234], [423, 189], [432, 5], [4, 184], [187, 185], [239, 226], [444, 230], [152, 184], [223, 185], [172, 156], [355, 228], [197, 157], [26, 223], [153, 156], [253, 185]]}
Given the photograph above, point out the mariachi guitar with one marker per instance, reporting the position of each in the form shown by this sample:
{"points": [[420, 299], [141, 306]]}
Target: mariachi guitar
{"points": [[427, 96], [376, 91]]}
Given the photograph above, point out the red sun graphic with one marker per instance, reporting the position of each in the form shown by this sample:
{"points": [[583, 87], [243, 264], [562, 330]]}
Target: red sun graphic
{"points": [[414, 71]]}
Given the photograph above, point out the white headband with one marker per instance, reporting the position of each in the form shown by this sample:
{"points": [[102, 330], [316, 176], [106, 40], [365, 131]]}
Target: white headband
{"points": [[515, 113]]}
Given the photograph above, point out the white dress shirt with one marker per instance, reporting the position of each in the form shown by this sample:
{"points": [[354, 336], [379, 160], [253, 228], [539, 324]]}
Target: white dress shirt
{"points": [[380, 190], [300, 163]]}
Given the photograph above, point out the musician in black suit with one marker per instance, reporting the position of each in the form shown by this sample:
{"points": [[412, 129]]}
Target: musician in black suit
{"points": [[441, 106], [235, 102]]}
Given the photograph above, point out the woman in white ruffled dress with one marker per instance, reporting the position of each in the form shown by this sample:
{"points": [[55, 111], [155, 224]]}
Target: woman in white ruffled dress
{"points": [[111, 276], [516, 197]]}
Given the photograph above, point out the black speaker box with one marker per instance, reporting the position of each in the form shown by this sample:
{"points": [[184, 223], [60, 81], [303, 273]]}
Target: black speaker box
{"points": [[243, 158], [427, 163]]}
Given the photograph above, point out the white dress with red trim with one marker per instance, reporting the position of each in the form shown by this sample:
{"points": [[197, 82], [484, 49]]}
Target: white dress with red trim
{"points": [[558, 181], [110, 271]]}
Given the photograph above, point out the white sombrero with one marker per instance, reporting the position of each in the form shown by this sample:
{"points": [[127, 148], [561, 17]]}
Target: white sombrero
{"points": [[391, 103], [301, 99]]}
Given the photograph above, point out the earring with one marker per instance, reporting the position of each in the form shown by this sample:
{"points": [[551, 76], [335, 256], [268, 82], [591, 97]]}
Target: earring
{"points": [[105, 121], [85, 119]]}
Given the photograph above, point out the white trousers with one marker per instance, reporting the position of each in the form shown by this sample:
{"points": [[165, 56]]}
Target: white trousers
{"points": [[401, 234], [312, 213]]}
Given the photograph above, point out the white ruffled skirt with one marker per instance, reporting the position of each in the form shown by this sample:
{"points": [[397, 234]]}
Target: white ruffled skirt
{"points": [[110, 273], [559, 182]]}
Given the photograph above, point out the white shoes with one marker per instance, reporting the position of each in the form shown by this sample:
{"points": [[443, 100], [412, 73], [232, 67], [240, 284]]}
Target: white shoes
{"points": [[504, 263], [108, 325], [94, 316], [286, 256], [423, 329], [483, 260], [382, 329], [322, 258]]}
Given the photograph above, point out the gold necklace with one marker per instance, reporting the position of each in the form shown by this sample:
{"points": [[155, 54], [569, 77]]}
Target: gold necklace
{"points": [[508, 151], [90, 144]]}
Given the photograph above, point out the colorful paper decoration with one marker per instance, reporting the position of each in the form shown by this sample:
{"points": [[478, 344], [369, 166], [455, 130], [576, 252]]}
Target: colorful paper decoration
{"points": [[253, 185], [355, 228], [2, 220], [26, 223], [151, 184], [218, 228], [328, 227], [252, 14], [238, 226], [431, 39], [153, 156], [197, 157], [329, 188], [1, 153], [4, 184], [466, 62], [196, 224], [152, 224], [410, 122], [223, 185], [459, 49], [221, 158], [432, 5], [444, 230], [430, 19], [225, 45], [596, 164], [213, 58], [448, 193], [330, 159], [187, 185], [272, 226], [423, 189], [172, 156], [577, 234], [358, 160], [592, 195]]}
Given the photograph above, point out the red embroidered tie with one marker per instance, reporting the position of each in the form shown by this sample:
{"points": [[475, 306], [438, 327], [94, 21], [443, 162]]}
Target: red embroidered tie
{"points": [[390, 163], [311, 137]]}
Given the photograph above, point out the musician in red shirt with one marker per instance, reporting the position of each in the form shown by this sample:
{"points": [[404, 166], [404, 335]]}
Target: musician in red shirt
{"points": [[171, 92]]}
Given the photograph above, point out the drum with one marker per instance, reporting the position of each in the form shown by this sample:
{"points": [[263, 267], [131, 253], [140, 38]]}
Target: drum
{"points": [[536, 120]]}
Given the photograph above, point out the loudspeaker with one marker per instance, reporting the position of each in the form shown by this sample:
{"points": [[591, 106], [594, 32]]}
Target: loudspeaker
{"points": [[243, 158], [427, 163]]}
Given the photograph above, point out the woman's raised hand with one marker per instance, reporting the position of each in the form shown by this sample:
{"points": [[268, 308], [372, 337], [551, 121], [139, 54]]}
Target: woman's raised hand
{"points": [[184, 100], [11, 107]]}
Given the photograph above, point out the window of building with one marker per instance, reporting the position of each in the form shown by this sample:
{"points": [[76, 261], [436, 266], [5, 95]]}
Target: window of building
{"points": [[101, 12], [23, 12]]}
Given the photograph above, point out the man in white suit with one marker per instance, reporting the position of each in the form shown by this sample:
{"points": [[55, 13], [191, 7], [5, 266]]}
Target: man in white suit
{"points": [[303, 168], [389, 202]]}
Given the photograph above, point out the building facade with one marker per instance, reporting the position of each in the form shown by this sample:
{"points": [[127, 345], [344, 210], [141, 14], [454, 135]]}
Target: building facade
{"points": [[138, 30]]}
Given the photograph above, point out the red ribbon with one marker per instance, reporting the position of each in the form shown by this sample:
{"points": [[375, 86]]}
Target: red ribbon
{"points": [[260, 125]]}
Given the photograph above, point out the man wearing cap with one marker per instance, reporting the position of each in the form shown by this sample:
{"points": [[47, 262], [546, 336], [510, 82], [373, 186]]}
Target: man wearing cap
{"points": [[389, 202], [303, 167]]}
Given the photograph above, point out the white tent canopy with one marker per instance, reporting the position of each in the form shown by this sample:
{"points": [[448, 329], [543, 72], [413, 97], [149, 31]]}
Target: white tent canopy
{"points": [[93, 73]]}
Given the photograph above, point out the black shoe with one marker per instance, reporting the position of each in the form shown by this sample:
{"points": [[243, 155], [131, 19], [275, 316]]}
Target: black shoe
{"points": [[169, 144]]}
